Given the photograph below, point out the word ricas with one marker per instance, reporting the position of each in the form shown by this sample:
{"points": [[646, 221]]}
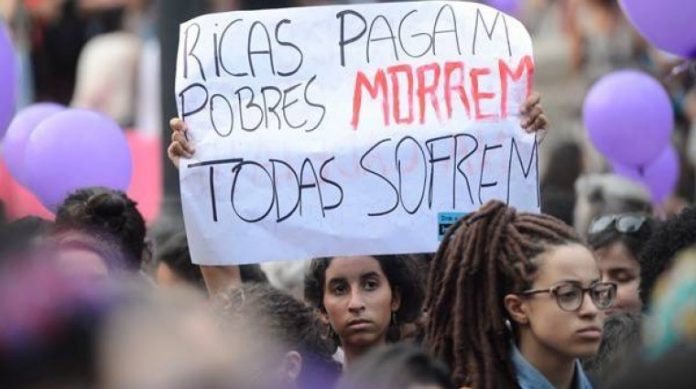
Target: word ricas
{"points": [[441, 88]]}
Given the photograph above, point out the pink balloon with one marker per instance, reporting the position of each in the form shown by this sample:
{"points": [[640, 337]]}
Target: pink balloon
{"points": [[76, 149], [660, 177]]}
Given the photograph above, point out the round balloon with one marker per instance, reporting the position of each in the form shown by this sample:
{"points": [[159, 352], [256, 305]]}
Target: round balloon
{"points": [[17, 136], [76, 149], [659, 177], [668, 24], [7, 79], [511, 7], [629, 117]]}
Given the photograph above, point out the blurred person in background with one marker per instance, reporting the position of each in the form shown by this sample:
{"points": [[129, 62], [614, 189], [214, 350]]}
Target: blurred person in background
{"points": [[169, 339], [59, 330], [673, 235], [287, 337], [23, 235], [620, 347], [605, 194], [601, 39], [669, 333], [397, 366], [174, 266], [558, 182], [109, 215], [86, 255], [617, 241]]}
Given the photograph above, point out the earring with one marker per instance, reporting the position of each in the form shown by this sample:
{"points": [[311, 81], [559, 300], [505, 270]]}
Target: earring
{"points": [[393, 319]]}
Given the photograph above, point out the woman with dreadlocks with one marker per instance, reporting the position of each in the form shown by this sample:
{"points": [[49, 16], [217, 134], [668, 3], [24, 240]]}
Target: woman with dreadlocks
{"points": [[514, 299]]}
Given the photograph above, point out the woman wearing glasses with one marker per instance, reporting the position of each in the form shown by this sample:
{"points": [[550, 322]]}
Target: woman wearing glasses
{"points": [[515, 299], [617, 241]]}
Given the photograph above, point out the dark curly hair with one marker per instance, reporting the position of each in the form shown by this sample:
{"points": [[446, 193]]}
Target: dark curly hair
{"points": [[674, 235], [288, 321], [105, 212], [402, 274]]}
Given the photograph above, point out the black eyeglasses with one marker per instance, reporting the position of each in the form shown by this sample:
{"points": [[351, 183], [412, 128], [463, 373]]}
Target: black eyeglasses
{"points": [[623, 223], [569, 296]]}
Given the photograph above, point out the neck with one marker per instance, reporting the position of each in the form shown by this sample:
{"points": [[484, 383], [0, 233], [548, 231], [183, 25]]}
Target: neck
{"points": [[557, 368], [353, 352]]}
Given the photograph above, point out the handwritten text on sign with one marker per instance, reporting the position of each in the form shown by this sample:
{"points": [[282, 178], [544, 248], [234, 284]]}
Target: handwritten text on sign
{"points": [[347, 130]]}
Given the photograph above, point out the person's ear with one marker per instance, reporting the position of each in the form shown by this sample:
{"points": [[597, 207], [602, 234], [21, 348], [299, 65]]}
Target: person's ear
{"points": [[291, 367], [396, 299], [516, 309]]}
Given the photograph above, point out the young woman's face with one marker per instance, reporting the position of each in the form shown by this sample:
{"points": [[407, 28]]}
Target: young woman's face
{"points": [[570, 334], [620, 267], [358, 300]]}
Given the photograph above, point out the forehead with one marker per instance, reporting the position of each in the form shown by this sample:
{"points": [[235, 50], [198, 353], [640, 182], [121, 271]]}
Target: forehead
{"points": [[571, 262], [616, 255], [352, 267]]}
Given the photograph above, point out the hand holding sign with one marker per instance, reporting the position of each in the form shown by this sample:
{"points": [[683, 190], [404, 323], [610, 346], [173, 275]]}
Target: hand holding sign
{"points": [[180, 145]]}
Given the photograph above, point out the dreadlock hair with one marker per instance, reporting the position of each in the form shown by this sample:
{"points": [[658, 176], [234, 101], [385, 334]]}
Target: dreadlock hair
{"points": [[483, 257]]}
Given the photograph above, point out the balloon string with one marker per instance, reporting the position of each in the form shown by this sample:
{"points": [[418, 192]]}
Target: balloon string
{"points": [[641, 171]]}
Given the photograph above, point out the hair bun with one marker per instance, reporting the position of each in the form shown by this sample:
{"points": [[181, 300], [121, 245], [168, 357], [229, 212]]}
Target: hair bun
{"points": [[108, 208]]}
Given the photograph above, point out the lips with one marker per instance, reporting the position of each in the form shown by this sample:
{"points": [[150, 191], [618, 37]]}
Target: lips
{"points": [[359, 324], [590, 333]]}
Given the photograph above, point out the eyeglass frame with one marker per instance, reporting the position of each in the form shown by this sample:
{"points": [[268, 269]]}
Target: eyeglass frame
{"points": [[552, 291], [614, 221]]}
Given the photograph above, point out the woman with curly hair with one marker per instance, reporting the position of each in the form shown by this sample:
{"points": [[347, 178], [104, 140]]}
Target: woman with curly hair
{"points": [[365, 300]]}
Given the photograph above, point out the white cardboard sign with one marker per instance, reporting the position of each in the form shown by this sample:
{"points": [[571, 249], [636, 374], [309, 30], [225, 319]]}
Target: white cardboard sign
{"points": [[350, 130]]}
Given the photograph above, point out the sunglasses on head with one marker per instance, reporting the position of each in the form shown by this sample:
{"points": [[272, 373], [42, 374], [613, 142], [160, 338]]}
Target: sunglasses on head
{"points": [[624, 223]]}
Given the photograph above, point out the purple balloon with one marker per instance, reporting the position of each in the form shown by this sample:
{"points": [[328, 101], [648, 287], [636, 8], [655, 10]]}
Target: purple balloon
{"points": [[629, 117], [17, 136], [7, 79], [76, 149], [511, 7], [659, 177], [668, 24]]}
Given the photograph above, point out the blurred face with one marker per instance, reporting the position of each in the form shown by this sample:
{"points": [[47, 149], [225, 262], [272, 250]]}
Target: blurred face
{"points": [[544, 325], [358, 300], [82, 263], [619, 266]]}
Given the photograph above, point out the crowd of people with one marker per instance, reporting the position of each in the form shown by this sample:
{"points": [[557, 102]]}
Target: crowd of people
{"points": [[510, 299], [598, 290]]}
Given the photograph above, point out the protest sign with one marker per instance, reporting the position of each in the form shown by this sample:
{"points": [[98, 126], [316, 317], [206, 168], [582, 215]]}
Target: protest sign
{"points": [[350, 130]]}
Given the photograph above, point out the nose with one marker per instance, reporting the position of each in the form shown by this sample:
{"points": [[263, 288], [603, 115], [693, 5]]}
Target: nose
{"points": [[588, 307], [356, 303]]}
